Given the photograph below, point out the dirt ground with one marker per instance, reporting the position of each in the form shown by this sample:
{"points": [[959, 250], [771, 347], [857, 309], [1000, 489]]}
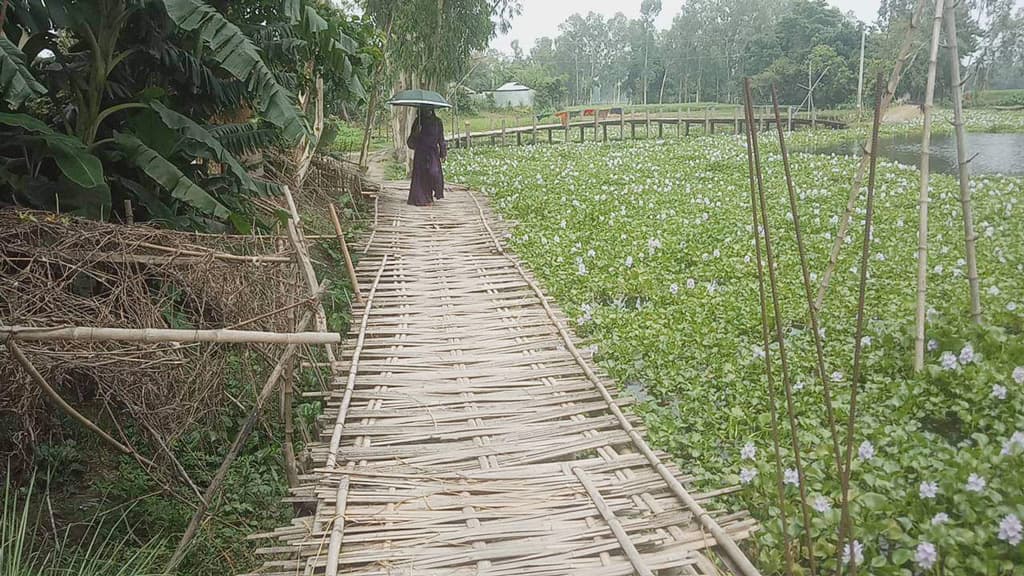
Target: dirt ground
{"points": [[901, 113]]}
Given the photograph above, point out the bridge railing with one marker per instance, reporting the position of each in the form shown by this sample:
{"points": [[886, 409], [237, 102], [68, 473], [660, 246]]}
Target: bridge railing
{"points": [[622, 127]]}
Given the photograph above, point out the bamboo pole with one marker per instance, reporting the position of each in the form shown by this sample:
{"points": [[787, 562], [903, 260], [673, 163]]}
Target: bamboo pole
{"points": [[153, 335], [851, 202], [762, 301], [287, 389], [236, 447], [846, 520], [823, 376], [344, 250], [962, 161], [613, 523], [787, 383], [338, 527], [922, 202]]}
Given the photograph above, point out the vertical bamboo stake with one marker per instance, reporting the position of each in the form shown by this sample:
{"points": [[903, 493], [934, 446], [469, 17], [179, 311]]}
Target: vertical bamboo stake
{"points": [[129, 213], [846, 520], [467, 134], [922, 202], [534, 129], [344, 250], [961, 158], [287, 387], [787, 382], [780, 485]]}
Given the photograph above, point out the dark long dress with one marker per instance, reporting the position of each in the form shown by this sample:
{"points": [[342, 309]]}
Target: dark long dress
{"points": [[427, 140]]}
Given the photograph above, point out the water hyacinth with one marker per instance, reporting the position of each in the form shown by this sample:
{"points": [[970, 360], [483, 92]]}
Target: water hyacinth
{"points": [[975, 483], [999, 392], [1010, 529], [749, 451], [949, 361], [866, 450], [925, 555], [693, 347], [928, 490], [857, 550], [747, 475]]}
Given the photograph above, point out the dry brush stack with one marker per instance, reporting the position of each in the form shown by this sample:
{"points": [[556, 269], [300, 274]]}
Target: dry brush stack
{"points": [[58, 271]]}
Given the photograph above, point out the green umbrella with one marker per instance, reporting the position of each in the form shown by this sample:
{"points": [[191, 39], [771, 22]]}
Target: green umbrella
{"points": [[420, 99]]}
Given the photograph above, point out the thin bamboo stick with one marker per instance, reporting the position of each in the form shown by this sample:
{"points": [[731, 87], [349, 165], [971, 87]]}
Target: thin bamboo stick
{"points": [[846, 521], [353, 370], [962, 161], [306, 266], [780, 339], [344, 250], [152, 335], [851, 202], [922, 202], [826, 384], [765, 338]]}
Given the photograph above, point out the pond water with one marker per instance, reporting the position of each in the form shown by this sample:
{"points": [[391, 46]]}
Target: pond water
{"points": [[996, 153]]}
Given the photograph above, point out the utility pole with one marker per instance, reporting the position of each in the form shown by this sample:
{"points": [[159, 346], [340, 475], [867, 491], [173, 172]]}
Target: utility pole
{"points": [[860, 78]]}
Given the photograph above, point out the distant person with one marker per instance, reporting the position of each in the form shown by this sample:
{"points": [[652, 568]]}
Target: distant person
{"points": [[430, 150]]}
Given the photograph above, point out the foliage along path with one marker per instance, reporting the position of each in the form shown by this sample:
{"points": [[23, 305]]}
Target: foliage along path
{"points": [[467, 434]]}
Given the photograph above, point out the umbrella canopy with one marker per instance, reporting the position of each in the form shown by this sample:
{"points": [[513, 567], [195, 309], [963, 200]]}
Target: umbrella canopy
{"points": [[419, 98]]}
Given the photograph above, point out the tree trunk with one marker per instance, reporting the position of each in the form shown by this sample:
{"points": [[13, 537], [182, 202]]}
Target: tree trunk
{"points": [[961, 158], [922, 226], [661, 94]]}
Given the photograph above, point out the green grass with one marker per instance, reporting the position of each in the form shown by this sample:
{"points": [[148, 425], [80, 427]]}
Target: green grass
{"points": [[648, 248]]}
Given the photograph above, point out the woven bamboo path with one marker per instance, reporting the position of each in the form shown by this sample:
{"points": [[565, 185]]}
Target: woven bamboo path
{"points": [[466, 433]]}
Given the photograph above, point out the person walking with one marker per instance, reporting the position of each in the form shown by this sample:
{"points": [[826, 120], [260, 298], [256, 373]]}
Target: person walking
{"points": [[429, 150]]}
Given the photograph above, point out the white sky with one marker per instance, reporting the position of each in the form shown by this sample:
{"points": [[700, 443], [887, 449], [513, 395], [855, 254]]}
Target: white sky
{"points": [[542, 17]]}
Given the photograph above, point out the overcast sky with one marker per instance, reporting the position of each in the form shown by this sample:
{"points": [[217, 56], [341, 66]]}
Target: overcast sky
{"points": [[542, 17]]}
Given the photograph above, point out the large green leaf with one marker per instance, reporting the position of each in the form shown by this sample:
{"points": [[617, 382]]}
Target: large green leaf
{"points": [[168, 176], [186, 127], [243, 138], [72, 156], [240, 58], [17, 85]]}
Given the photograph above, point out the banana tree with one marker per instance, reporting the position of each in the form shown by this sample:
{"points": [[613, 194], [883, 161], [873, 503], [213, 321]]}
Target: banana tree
{"points": [[111, 85]]}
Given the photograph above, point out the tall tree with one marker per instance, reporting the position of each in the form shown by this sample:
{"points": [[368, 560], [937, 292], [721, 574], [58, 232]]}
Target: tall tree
{"points": [[432, 43]]}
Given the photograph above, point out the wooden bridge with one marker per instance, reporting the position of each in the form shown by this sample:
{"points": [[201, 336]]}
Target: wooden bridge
{"points": [[623, 127], [468, 432]]}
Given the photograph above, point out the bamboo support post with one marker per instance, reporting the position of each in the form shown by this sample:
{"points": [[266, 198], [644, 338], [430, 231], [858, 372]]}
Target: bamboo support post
{"points": [[502, 131], [622, 124], [962, 161], [707, 122], [344, 250], [922, 225], [468, 137], [236, 446], [129, 213], [534, 129], [153, 335]]}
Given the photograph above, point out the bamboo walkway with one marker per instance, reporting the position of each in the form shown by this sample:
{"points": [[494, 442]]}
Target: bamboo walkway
{"points": [[467, 434]]}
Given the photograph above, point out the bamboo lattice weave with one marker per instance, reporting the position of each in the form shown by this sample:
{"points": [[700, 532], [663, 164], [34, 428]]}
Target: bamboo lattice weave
{"points": [[470, 440]]}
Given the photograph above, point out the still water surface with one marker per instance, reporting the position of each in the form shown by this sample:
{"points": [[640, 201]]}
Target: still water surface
{"points": [[996, 153]]}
